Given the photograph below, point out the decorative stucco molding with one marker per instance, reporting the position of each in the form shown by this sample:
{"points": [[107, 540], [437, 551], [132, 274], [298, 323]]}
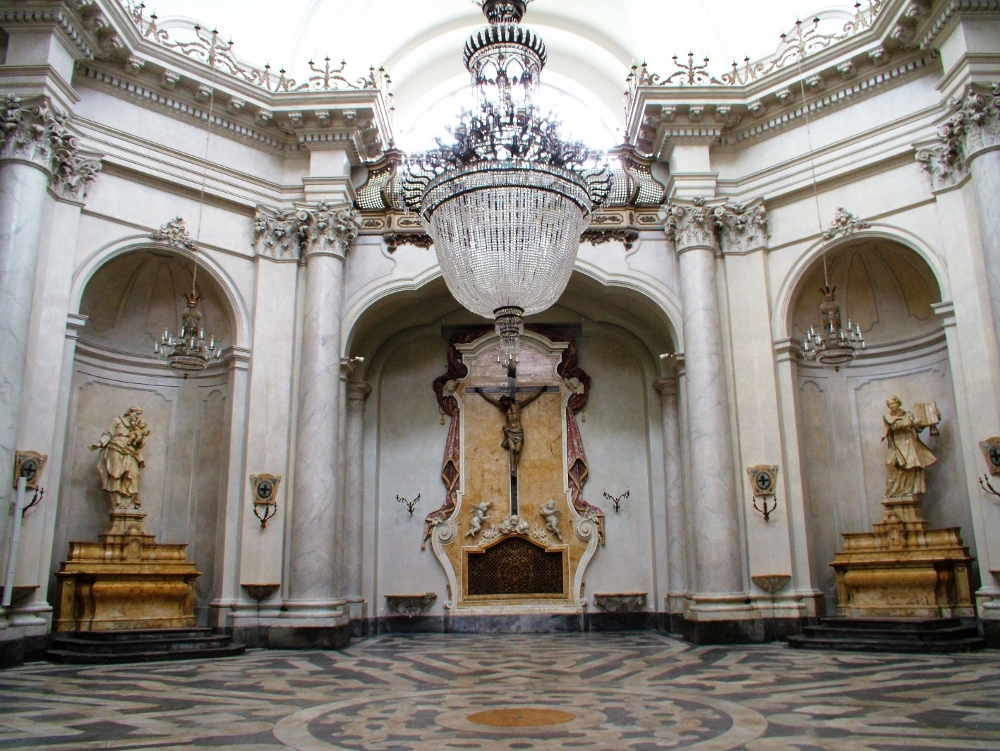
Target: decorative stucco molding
{"points": [[291, 233], [844, 223], [174, 233]]}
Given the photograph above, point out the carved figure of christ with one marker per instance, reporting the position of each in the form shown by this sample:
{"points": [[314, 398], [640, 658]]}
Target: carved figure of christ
{"points": [[513, 430]]}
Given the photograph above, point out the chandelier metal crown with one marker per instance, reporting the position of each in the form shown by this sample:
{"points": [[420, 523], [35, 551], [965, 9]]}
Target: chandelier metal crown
{"points": [[834, 345], [188, 351], [507, 200]]}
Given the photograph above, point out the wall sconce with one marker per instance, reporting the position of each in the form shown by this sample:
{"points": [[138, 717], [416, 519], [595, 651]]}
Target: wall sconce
{"points": [[410, 505], [265, 497], [617, 501], [763, 481], [991, 451], [29, 465]]}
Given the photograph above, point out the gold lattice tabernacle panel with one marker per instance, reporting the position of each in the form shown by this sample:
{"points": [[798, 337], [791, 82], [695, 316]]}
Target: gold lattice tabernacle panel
{"points": [[515, 566]]}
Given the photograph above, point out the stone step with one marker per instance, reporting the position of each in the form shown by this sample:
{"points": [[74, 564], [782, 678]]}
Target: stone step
{"points": [[147, 645], [888, 645], [122, 646], [892, 624], [937, 634], [137, 634], [81, 658]]}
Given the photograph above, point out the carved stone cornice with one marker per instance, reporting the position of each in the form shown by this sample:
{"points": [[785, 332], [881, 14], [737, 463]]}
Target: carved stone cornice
{"points": [[694, 224], [326, 229], [744, 228], [844, 223], [322, 229], [174, 233]]}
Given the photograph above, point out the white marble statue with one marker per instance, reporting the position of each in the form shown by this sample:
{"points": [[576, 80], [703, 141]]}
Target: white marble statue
{"points": [[551, 516], [121, 460], [906, 455], [479, 514]]}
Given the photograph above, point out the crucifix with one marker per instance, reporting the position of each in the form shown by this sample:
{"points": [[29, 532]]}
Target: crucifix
{"points": [[513, 430]]}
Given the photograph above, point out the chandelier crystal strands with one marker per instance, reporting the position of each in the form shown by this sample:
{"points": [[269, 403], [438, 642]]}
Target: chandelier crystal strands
{"points": [[833, 345], [506, 202], [188, 351]]}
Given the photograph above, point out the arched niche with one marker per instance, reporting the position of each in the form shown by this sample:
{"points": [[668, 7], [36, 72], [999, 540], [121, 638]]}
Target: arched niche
{"points": [[404, 339], [128, 303], [889, 291]]}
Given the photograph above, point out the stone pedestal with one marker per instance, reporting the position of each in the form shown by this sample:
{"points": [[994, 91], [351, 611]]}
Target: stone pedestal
{"points": [[125, 581], [903, 569]]}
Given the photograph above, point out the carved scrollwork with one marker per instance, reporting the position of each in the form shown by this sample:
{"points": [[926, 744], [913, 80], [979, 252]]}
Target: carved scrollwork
{"points": [[174, 233], [694, 224], [744, 228], [289, 233], [844, 223]]}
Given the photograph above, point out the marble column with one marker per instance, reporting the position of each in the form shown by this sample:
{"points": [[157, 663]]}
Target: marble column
{"points": [[328, 233], [694, 227], [674, 485], [33, 145], [357, 393]]}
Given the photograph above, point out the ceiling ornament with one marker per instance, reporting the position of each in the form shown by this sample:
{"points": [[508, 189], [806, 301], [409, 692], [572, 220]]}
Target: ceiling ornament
{"points": [[207, 47], [804, 39], [507, 199]]}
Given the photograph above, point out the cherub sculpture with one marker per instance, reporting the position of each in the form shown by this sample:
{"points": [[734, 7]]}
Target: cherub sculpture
{"points": [[551, 516], [120, 459], [479, 514]]}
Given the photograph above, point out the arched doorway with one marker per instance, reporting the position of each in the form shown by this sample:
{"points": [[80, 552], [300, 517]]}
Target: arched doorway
{"points": [[129, 302], [890, 291]]}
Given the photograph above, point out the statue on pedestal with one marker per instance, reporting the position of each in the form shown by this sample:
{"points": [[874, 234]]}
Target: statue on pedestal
{"points": [[120, 459], [907, 456]]}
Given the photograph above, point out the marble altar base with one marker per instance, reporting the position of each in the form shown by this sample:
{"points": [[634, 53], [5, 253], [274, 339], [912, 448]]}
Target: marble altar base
{"points": [[125, 581], [903, 569]]}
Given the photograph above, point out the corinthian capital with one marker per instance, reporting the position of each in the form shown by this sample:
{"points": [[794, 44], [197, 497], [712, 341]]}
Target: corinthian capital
{"points": [[744, 228], [74, 174], [37, 135], [694, 224], [327, 229], [974, 126], [276, 233]]}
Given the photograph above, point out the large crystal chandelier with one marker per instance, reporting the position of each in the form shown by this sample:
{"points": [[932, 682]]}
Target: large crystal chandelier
{"points": [[507, 201]]}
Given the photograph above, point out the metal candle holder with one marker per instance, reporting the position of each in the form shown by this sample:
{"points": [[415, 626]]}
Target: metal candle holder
{"points": [[410, 505], [617, 500]]}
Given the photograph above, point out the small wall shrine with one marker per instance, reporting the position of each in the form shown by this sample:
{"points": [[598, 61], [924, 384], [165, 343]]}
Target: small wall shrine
{"points": [[515, 529]]}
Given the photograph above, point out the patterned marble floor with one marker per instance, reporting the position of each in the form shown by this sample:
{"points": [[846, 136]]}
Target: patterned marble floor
{"points": [[585, 692]]}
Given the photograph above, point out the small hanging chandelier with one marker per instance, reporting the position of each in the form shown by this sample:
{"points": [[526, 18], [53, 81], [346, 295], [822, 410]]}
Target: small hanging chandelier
{"points": [[835, 345], [506, 203], [188, 351]]}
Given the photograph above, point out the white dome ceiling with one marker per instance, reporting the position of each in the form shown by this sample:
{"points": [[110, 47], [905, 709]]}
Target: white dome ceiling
{"points": [[592, 44]]}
